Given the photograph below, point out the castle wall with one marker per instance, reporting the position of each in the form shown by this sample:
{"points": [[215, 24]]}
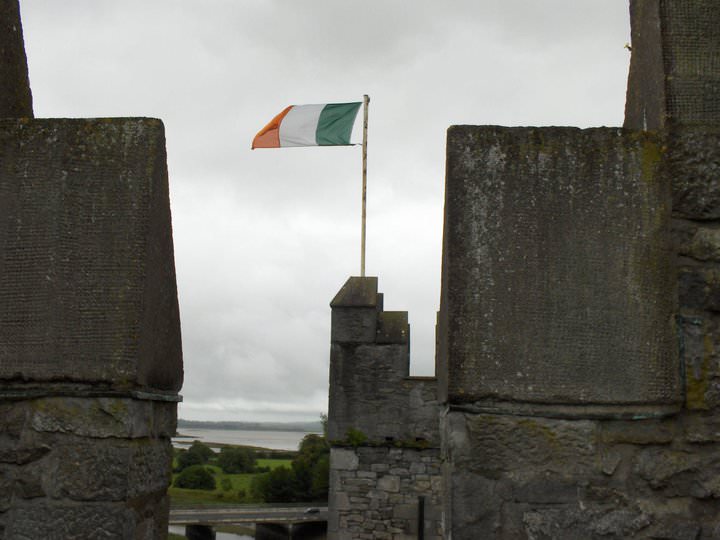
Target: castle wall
{"points": [[90, 350], [382, 424]]}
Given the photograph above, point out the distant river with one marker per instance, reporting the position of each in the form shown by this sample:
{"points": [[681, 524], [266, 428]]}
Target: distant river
{"points": [[275, 440]]}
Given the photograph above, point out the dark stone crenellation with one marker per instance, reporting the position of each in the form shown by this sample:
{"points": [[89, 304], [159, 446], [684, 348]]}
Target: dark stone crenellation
{"points": [[87, 277], [15, 95], [557, 279]]}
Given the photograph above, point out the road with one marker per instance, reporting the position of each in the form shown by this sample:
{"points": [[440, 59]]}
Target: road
{"points": [[246, 514]]}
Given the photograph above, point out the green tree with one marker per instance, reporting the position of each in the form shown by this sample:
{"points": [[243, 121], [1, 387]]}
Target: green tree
{"points": [[202, 450], [306, 480], [236, 460], [311, 468], [324, 422], [187, 459], [320, 479], [195, 477], [278, 485]]}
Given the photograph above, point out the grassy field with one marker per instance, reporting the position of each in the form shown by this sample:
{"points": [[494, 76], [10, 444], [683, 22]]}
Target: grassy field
{"points": [[230, 488]]}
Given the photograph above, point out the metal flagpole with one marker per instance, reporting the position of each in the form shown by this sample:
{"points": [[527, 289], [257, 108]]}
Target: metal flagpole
{"points": [[366, 101]]}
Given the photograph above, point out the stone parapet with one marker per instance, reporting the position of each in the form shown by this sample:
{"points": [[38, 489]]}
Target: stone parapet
{"points": [[87, 272], [558, 286]]}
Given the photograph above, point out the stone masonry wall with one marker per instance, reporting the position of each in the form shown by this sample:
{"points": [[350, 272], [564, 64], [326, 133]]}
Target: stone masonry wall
{"points": [[90, 350], [85, 468], [543, 478], [376, 493]]}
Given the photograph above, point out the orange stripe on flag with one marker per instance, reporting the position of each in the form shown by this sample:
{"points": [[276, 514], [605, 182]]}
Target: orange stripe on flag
{"points": [[269, 136]]}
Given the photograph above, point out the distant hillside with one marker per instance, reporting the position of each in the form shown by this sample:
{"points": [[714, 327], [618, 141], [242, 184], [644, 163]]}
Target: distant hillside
{"points": [[315, 426]]}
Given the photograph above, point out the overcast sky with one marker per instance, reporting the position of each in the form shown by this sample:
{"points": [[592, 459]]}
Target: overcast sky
{"points": [[264, 239]]}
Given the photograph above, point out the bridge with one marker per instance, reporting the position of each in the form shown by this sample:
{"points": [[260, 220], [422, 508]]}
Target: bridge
{"points": [[271, 521]]}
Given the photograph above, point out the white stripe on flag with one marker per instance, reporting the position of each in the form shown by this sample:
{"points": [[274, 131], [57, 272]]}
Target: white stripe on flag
{"points": [[299, 125]]}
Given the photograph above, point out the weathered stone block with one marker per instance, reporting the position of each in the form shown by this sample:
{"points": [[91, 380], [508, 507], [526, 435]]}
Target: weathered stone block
{"points": [[92, 417], [505, 443], [88, 288], [671, 470], [692, 164], [640, 432], [344, 460], [558, 285], [546, 488], [89, 472], [705, 244], [389, 483], [678, 531], [354, 311], [55, 521], [150, 467], [701, 429]]}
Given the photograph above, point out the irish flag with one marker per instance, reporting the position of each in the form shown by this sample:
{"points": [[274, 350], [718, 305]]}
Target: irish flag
{"points": [[328, 124]]}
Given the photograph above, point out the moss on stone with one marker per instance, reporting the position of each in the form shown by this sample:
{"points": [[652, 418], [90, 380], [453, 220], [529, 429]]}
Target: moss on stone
{"points": [[536, 429]]}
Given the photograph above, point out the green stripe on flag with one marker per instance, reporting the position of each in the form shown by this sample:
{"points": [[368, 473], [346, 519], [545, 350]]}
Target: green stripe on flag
{"points": [[335, 124]]}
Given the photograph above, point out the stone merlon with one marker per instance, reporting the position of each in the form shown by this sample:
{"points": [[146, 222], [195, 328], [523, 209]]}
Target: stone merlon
{"points": [[370, 385]]}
